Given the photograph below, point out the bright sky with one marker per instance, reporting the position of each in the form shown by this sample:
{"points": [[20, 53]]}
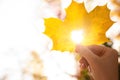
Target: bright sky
{"points": [[19, 25]]}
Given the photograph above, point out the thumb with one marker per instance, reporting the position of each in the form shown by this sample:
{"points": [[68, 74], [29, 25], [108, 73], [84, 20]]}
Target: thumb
{"points": [[98, 50], [86, 53]]}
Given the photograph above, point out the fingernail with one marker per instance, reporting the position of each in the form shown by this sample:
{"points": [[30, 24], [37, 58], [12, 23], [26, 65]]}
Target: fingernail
{"points": [[83, 66]]}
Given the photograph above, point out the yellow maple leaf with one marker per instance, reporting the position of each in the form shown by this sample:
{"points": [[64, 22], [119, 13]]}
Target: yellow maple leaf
{"points": [[94, 25]]}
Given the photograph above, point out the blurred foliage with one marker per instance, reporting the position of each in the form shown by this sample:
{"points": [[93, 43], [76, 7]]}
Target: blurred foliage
{"points": [[84, 75]]}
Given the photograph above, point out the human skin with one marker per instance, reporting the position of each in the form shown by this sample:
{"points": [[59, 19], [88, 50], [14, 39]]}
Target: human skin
{"points": [[101, 61]]}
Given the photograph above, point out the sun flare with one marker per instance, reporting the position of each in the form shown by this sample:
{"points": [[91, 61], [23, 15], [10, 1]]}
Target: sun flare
{"points": [[77, 36]]}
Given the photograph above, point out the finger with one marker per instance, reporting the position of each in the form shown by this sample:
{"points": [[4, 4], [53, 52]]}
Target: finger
{"points": [[83, 63], [98, 50], [86, 53]]}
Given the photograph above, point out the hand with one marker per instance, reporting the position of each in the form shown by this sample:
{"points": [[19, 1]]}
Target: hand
{"points": [[103, 61]]}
